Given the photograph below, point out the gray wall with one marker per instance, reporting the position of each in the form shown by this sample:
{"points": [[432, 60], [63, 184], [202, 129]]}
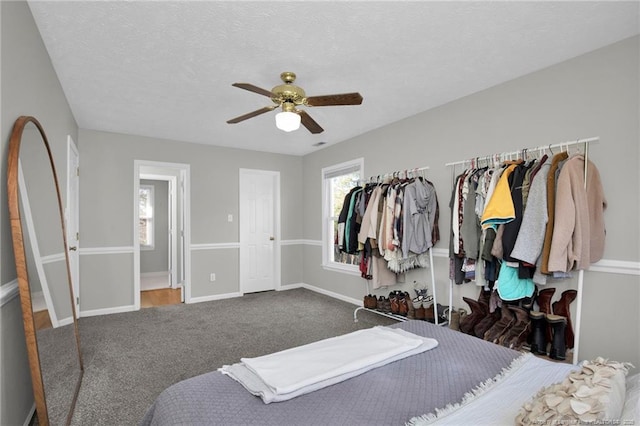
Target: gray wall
{"points": [[105, 222], [29, 86], [592, 95], [157, 259]]}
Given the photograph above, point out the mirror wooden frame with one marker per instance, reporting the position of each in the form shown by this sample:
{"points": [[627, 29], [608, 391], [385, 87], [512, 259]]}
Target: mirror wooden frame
{"points": [[21, 268]]}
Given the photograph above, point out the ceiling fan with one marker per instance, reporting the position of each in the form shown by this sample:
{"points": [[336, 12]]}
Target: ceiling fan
{"points": [[288, 96]]}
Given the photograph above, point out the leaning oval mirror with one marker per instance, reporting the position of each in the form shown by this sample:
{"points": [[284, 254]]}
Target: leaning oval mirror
{"points": [[44, 277]]}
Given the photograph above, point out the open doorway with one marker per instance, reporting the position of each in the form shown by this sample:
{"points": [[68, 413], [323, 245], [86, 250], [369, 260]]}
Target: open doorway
{"points": [[161, 222]]}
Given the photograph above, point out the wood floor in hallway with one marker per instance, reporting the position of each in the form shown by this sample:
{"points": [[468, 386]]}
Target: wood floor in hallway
{"points": [[165, 296]]}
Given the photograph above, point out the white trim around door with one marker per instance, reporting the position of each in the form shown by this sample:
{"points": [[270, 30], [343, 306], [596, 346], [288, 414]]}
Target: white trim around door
{"points": [[182, 234]]}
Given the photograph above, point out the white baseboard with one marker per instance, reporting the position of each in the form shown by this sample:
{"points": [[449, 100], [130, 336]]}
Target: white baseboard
{"points": [[107, 311], [65, 321], [213, 297], [338, 296], [290, 287]]}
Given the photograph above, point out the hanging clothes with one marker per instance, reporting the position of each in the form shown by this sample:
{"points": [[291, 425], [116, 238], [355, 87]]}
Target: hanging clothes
{"points": [[551, 202], [500, 207], [579, 231], [510, 286], [528, 245], [419, 211], [536, 218], [342, 218], [391, 226]]}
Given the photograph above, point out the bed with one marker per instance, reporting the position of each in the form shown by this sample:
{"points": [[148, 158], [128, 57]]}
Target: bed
{"points": [[463, 380]]}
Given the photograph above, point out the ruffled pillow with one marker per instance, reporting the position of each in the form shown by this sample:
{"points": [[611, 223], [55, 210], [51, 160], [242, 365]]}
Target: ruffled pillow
{"points": [[595, 392]]}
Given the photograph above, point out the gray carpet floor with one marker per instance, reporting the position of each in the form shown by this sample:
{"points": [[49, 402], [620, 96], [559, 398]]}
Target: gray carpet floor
{"points": [[130, 358]]}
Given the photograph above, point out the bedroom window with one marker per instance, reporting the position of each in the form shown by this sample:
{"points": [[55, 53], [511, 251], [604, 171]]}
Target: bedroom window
{"points": [[337, 181], [145, 213]]}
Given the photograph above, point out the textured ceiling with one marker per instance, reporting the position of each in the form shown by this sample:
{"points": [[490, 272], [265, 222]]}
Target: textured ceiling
{"points": [[165, 69]]}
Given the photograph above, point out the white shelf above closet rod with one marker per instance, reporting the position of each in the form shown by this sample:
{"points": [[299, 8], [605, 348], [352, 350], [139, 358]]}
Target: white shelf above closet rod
{"points": [[502, 156], [433, 276]]}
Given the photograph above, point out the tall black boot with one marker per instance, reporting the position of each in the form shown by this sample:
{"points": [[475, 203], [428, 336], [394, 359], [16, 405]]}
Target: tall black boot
{"points": [[538, 333], [558, 325]]}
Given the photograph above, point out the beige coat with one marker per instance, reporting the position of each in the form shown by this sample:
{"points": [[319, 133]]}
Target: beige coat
{"points": [[579, 230]]}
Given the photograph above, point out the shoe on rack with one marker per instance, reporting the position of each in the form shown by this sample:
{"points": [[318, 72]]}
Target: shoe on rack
{"points": [[486, 323], [507, 319], [411, 312], [544, 300], [538, 333], [417, 301], [558, 325], [561, 307], [403, 304], [370, 302], [518, 332], [383, 304], [393, 299], [478, 312], [429, 314]]}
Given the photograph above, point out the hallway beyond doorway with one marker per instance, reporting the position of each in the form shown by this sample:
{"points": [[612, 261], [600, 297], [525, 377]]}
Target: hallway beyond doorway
{"points": [[152, 298]]}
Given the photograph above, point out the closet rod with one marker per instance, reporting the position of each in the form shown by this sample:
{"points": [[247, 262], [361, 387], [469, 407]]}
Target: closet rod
{"points": [[549, 147], [418, 169]]}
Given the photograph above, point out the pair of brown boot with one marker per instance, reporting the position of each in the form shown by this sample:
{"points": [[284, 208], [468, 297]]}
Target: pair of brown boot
{"points": [[370, 301], [479, 311], [399, 302], [509, 326], [512, 329]]}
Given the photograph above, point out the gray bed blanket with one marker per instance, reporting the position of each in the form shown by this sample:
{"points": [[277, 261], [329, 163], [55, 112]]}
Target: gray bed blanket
{"points": [[389, 395]]}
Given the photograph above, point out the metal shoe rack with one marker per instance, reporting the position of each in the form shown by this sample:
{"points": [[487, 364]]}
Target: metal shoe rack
{"points": [[400, 317]]}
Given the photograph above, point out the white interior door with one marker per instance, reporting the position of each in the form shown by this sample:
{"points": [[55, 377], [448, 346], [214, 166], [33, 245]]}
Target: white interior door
{"points": [[72, 217], [259, 229]]}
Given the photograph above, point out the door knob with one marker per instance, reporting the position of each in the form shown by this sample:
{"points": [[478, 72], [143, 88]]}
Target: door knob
{"points": [[271, 238], [73, 248]]}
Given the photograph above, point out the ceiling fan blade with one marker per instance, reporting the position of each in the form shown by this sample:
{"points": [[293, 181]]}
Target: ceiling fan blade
{"points": [[341, 99], [252, 114], [254, 89], [309, 122]]}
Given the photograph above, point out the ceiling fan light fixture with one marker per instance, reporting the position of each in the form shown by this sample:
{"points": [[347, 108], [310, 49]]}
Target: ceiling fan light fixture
{"points": [[287, 121]]}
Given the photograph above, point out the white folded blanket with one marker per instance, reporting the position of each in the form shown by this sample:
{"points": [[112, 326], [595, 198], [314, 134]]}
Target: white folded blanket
{"points": [[284, 375]]}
